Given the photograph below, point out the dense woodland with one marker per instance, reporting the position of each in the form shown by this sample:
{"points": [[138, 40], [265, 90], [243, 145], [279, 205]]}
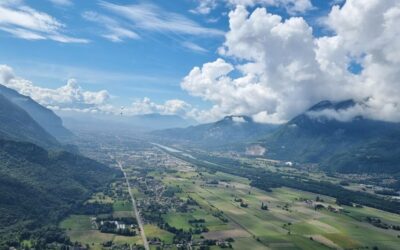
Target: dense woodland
{"points": [[38, 188]]}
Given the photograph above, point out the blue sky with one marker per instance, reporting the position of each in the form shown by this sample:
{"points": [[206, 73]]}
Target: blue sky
{"points": [[151, 66], [134, 49]]}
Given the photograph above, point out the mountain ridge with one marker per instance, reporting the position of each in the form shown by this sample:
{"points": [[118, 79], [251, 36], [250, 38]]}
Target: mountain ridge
{"points": [[16, 124], [45, 117], [308, 139], [230, 129]]}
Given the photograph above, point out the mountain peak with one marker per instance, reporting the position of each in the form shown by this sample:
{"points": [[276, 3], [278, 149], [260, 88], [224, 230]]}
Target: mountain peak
{"points": [[237, 119], [326, 104], [230, 129]]}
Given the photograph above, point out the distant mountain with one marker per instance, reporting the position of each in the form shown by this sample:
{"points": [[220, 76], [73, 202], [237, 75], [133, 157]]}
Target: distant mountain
{"points": [[122, 124], [38, 188], [334, 144], [159, 121], [231, 129], [43, 116], [16, 124]]}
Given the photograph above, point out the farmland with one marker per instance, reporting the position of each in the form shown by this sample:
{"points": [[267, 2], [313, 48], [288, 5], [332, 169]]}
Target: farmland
{"points": [[291, 220], [183, 205]]}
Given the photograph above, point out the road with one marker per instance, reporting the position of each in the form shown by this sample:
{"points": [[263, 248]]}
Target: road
{"points": [[137, 214]]}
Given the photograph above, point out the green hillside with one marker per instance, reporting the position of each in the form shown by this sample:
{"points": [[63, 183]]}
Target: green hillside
{"points": [[359, 145], [38, 188], [16, 124]]}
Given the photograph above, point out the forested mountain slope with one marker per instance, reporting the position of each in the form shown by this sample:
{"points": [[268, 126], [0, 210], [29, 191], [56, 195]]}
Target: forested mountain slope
{"points": [[45, 117], [38, 188], [16, 124], [348, 146]]}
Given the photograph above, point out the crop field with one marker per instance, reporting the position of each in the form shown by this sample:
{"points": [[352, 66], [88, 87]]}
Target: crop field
{"points": [[291, 221], [177, 199], [83, 228], [154, 231], [79, 229]]}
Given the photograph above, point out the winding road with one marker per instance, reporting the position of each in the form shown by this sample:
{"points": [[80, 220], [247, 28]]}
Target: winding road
{"points": [[137, 214]]}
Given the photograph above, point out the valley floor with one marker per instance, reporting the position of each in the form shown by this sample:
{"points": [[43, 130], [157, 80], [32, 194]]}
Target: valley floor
{"points": [[188, 207]]}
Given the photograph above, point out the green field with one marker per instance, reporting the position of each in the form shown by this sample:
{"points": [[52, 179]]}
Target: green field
{"points": [[121, 205], [231, 208], [153, 231], [290, 222], [79, 228]]}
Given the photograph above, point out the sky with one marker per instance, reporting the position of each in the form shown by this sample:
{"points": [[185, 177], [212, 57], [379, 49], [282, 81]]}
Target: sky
{"points": [[204, 59]]}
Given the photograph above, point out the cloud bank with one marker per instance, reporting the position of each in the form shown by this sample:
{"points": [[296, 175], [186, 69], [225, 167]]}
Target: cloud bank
{"points": [[72, 97], [274, 69]]}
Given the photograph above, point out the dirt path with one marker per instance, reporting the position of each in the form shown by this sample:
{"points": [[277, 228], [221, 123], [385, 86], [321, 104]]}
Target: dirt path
{"points": [[137, 214]]}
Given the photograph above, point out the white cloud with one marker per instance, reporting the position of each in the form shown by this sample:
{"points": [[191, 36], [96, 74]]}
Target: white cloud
{"points": [[115, 32], [238, 119], [370, 33], [150, 17], [268, 78], [70, 95], [293, 7], [194, 47], [275, 69], [23, 33], [27, 23], [143, 107], [205, 7], [343, 115], [146, 106]]}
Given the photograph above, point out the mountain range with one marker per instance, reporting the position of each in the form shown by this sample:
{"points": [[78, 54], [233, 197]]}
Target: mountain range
{"points": [[346, 146], [45, 117], [40, 183], [354, 145], [229, 130], [122, 124]]}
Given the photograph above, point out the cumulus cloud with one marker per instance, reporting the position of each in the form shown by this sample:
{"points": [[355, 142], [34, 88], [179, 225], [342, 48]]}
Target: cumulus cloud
{"points": [[205, 7], [238, 119], [27, 23], [343, 115], [230, 96], [70, 95], [146, 106], [275, 69], [370, 33], [291, 6], [275, 76]]}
